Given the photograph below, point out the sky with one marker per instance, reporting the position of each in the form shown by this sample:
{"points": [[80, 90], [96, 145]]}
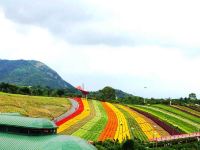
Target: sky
{"points": [[126, 44]]}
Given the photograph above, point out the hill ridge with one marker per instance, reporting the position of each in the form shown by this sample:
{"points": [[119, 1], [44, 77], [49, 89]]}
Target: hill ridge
{"points": [[30, 73]]}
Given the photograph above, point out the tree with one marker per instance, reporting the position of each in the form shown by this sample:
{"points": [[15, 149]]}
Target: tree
{"points": [[107, 93], [60, 92], [128, 145], [192, 96], [25, 90]]}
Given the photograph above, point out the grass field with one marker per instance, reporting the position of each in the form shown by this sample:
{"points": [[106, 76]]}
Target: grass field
{"points": [[33, 106]]}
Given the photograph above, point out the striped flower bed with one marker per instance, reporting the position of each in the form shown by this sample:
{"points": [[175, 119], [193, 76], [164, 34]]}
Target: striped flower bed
{"points": [[63, 128], [86, 131], [122, 132], [135, 130], [162, 124], [111, 126], [77, 112], [98, 121], [187, 110]]}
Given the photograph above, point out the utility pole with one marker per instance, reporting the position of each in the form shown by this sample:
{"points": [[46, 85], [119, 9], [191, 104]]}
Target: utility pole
{"points": [[144, 97], [83, 86]]}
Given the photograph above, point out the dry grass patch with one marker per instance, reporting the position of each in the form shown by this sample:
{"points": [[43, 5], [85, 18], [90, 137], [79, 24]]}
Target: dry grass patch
{"points": [[34, 106]]}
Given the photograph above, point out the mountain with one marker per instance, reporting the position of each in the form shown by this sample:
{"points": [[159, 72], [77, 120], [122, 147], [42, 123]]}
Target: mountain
{"points": [[30, 73], [108, 93], [122, 94]]}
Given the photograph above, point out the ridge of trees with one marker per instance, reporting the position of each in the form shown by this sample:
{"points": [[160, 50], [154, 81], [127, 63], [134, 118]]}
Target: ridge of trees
{"points": [[106, 94], [112, 95], [38, 90]]}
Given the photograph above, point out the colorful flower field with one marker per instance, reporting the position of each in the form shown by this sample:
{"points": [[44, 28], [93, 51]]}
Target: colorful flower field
{"points": [[97, 121]]}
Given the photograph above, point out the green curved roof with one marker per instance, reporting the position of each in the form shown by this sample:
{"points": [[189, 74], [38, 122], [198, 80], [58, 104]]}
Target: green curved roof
{"points": [[49, 142], [11, 114], [21, 121]]}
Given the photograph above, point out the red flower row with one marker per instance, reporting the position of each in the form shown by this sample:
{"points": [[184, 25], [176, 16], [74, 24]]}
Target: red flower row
{"points": [[77, 112]]}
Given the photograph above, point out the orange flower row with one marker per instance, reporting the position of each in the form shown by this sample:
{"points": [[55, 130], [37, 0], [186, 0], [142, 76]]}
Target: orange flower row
{"points": [[111, 126]]}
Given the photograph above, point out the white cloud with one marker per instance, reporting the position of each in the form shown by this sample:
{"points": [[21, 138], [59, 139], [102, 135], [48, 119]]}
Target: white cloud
{"points": [[171, 22], [166, 70]]}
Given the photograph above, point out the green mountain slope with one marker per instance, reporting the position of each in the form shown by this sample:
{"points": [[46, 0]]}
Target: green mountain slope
{"points": [[30, 73], [109, 93]]}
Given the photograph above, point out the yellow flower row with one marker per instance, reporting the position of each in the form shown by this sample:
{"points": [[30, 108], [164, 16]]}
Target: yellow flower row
{"points": [[122, 129], [74, 120], [146, 127]]}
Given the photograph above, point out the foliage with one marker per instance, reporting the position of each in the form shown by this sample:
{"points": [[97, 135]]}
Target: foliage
{"points": [[192, 96], [37, 90], [115, 145], [114, 95], [107, 93], [180, 144]]}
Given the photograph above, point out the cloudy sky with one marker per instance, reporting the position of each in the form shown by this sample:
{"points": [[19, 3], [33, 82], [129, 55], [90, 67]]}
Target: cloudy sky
{"points": [[127, 44]]}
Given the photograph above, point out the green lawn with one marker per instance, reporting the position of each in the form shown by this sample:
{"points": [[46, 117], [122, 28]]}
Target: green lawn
{"points": [[33, 106]]}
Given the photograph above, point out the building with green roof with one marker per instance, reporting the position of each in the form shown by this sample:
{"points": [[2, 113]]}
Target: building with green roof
{"points": [[23, 133], [10, 123]]}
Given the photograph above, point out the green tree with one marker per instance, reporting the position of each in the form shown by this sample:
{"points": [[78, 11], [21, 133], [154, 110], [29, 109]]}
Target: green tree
{"points": [[128, 145], [25, 90], [192, 96], [60, 92], [107, 93]]}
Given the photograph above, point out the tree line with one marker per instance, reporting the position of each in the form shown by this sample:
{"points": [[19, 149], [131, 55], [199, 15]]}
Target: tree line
{"points": [[38, 90], [106, 94], [112, 95], [130, 144]]}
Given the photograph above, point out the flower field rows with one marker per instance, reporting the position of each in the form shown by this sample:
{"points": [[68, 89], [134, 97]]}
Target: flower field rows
{"points": [[150, 128], [179, 122], [187, 110], [111, 126], [135, 130], [122, 131], [97, 121], [72, 115], [73, 108], [81, 123], [99, 126], [162, 124], [179, 113], [76, 118], [86, 131]]}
